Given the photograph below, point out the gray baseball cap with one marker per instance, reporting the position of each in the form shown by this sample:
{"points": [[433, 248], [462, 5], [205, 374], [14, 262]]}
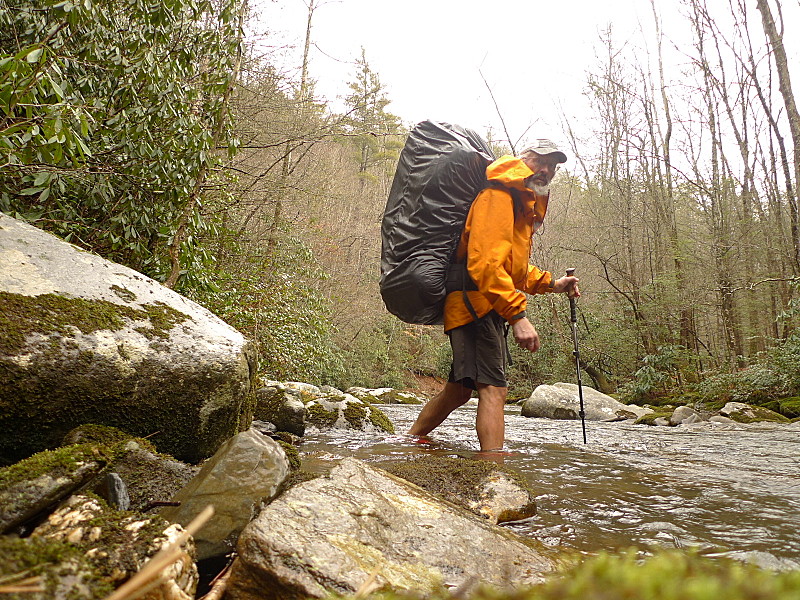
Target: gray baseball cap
{"points": [[543, 146]]}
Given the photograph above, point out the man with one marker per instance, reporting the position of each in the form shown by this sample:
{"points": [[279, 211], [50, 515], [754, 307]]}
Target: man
{"points": [[495, 247]]}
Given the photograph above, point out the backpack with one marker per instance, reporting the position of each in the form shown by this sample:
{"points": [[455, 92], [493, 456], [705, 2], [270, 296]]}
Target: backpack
{"points": [[441, 170]]}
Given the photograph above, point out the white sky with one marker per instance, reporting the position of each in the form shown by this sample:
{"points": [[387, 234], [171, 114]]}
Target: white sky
{"points": [[534, 54]]}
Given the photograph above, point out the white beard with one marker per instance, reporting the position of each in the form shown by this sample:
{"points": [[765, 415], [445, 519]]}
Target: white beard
{"points": [[541, 190]]}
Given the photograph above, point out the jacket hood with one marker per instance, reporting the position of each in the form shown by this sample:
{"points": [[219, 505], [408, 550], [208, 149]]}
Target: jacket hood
{"points": [[510, 171]]}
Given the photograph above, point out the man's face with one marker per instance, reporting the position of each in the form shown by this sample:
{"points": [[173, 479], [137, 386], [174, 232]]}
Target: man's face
{"points": [[544, 167]]}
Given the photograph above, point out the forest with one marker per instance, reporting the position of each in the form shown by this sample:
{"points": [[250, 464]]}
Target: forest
{"points": [[163, 137]]}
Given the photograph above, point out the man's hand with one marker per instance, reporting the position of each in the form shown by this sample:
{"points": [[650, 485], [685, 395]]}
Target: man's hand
{"points": [[568, 285], [525, 334]]}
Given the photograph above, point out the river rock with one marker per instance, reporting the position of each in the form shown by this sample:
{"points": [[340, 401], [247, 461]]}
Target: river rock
{"points": [[88, 340], [282, 407], [32, 485], [684, 415], [385, 396], [746, 413], [345, 411], [113, 490], [561, 401], [245, 472], [120, 544], [326, 536]]}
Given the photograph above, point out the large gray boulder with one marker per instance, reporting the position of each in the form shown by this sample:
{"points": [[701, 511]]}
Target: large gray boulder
{"points": [[330, 534], [246, 471], [561, 401], [83, 339]]}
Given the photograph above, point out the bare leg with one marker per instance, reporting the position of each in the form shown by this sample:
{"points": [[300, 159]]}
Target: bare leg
{"points": [[437, 409], [490, 422]]}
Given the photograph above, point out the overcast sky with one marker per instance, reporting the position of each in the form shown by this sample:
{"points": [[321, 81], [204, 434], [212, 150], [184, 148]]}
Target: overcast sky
{"points": [[430, 53]]}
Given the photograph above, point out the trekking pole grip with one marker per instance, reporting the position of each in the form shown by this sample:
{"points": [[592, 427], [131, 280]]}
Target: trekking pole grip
{"points": [[572, 314]]}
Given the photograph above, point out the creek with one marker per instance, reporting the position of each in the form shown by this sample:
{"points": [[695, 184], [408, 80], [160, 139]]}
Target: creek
{"points": [[729, 490]]}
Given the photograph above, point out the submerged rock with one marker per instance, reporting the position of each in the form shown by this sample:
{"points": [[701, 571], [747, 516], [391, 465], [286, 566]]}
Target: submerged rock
{"points": [[328, 535], [88, 340], [483, 487], [561, 401], [246, 471]]}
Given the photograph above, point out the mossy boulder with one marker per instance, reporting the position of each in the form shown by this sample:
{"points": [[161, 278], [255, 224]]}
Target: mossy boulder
{"points": [[788, 407], [283, 407], [85, 340], [745, 413], [654, 418], [385, 396], [344, 411], [32, 485]]}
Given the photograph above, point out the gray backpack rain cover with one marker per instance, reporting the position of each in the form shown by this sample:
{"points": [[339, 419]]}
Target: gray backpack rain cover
{"points": [[441, 170]]}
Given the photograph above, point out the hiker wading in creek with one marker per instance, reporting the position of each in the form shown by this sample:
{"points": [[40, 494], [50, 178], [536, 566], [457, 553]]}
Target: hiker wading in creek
{"points": [[493, 255]]}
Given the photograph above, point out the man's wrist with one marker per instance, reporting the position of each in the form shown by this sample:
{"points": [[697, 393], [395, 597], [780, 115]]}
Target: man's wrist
{"points": [[517, 317]]}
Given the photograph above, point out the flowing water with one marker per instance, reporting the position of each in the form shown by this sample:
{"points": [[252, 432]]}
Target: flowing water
{"points": [[729, 490]]}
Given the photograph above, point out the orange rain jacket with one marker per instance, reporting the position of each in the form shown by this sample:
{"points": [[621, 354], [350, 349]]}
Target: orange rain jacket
{"points": [[496, 244]]}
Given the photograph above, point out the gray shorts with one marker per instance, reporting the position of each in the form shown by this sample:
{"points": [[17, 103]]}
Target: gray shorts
{"points": [[479, 352]]}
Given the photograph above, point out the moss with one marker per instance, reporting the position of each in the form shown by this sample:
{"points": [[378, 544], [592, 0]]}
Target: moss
{"points": [[667, 575], [297, 477], [355, 413], [379, 419], [318, 415], [96, 434], [52, 314], [62, 566], [292, 455], [52, 462], [307, 396], [758, 414], [788, 407], [123, 293], [454, 479]]}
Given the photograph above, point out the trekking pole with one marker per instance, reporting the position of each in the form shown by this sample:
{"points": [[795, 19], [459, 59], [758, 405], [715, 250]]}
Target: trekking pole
{"points": [[573, 317]]}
